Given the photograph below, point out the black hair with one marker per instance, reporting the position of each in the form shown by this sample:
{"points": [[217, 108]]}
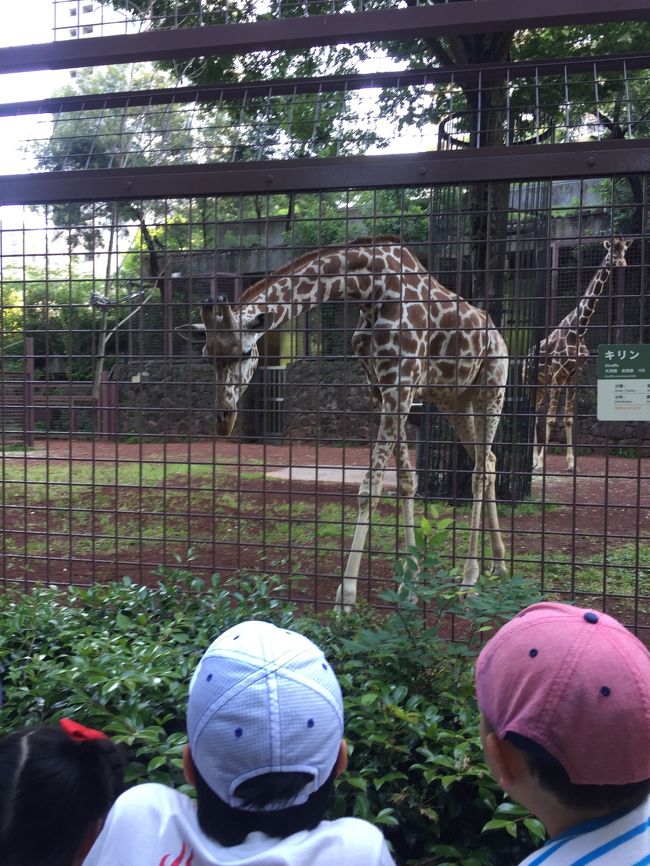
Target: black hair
{"points": [[54, 790], [230, 826], [553, 778]]}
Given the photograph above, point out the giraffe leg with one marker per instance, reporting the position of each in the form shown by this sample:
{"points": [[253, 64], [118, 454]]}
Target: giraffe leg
{"points": [[477, 429], [553, 400], [406, 485], [369, 493], [368, 497], [568, 426], [471, 569], [498, 547], [538, 455]]}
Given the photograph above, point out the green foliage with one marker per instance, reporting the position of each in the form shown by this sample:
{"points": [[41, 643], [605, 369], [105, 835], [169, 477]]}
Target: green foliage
{"points": [[119, 657], [52, 306]]}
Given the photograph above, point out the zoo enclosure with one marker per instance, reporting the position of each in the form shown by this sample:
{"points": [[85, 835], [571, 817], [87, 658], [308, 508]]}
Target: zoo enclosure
{"points": [[488, 219]]}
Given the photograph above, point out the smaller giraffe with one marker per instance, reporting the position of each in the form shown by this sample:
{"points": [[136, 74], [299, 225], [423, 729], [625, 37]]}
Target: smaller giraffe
{"points": [[559, 358]]}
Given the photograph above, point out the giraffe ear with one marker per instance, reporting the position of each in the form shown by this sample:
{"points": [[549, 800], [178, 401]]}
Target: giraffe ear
{"points": [[628, 243], [191, 333], [607, 245]]}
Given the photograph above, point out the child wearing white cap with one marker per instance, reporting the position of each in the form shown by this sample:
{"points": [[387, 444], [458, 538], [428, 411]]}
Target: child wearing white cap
{"points": [[564, 695], [265, 730]]}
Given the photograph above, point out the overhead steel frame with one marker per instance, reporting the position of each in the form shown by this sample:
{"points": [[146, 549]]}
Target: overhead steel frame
{"points": [[413, 22], [579, 160]]}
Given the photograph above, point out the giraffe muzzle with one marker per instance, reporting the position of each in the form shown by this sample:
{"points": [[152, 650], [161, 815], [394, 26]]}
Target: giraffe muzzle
{"points": [[225, 421]]}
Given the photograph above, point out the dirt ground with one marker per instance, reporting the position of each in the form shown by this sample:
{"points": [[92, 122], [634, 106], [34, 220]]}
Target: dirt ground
{"points": [[588, 516]]}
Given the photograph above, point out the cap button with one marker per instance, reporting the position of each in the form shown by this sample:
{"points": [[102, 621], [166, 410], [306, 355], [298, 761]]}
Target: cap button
{"points": [[591, 617]]}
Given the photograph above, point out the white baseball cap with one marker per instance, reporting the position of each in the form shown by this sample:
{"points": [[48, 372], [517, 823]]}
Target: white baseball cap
{"points": [[262, 700]]}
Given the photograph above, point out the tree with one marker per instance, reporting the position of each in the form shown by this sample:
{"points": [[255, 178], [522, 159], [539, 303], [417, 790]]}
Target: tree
{"points": [[54, 308], [471, 115], [113, 139]]}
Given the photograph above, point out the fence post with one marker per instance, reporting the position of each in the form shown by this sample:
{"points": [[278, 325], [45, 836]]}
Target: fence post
{"points": [[29, 411], [107, 407]]}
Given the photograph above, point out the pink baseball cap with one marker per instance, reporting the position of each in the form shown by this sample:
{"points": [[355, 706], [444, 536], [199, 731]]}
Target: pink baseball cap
{"points": [[575, 682]]}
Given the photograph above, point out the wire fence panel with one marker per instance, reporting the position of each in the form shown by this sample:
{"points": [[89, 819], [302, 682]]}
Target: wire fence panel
{"points": [[517, 104], [100, 484]]}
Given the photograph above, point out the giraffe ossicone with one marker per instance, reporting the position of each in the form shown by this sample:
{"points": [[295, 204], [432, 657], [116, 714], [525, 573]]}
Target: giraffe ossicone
{"points": [[553, 367], [414, 337]]}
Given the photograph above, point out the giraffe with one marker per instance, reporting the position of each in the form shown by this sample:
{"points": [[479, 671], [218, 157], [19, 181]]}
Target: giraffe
{"points": [[413, 337], [562, 355]]}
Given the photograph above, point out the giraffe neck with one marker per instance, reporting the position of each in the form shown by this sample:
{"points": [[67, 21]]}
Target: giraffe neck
{"points": [[314, 279], [589, 301]]}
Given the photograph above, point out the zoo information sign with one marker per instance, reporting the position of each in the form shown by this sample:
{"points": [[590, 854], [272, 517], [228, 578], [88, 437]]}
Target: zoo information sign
{"points": [[623, 383]]}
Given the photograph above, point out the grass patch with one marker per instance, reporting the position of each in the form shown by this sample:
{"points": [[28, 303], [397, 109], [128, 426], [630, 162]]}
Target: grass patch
{"points": [[623, 570]]}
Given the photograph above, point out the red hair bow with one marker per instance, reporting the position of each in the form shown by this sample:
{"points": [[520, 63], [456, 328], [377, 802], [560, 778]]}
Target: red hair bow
{"points": [[80, 732]]}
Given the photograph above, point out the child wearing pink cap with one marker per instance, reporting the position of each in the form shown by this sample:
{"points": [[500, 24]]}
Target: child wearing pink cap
{"points": [[564, 695], [265, 731]]}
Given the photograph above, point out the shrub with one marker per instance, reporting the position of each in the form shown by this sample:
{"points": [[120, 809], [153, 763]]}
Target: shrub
{"points": [[119, 657]]}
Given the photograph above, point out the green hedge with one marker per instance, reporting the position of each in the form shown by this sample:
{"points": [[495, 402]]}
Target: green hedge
{"points": [[119, 657]]}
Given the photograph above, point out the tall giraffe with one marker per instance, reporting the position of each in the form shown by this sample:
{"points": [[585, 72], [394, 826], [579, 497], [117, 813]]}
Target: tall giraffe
{"points": [[413, 337], [562, 355]]}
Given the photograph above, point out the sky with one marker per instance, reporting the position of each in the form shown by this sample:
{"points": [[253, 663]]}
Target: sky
{"points": [[26, 22]]}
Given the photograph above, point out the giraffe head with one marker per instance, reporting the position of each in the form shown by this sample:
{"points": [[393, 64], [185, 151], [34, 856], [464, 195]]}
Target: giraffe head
{"points": [[230, 343], [617, 251]]}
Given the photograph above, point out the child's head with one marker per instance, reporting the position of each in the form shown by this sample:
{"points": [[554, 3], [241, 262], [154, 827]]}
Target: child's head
{"points": [[265, 729], [570, 689], [58, 784]]}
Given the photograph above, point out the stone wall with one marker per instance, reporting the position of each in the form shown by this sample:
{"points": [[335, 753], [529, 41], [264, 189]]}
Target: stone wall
{"points": [[175, 399], [328, 399], [158, 397]]}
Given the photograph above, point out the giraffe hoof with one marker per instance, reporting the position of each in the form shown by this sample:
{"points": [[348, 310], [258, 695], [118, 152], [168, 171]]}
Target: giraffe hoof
{"points": [[470, 576], [341, 605]]}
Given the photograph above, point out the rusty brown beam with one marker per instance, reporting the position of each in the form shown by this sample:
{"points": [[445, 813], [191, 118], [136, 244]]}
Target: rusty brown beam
{"points": [[526, 162], [469, 16]]}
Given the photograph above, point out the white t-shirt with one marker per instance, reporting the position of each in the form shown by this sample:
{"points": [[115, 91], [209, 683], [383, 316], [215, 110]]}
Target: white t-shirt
{"points": [[152, 825], [621, 840]]}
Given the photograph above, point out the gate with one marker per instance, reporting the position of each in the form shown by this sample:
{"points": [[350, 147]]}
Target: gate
{"points": [[265, 405]]}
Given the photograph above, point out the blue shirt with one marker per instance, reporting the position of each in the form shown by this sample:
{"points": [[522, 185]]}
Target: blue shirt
{"points": [[617, 840]]}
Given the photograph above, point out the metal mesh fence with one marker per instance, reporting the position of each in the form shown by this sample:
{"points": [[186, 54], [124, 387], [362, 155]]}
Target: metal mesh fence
{"points": [[110, 461], [140, 323], [408, 112]]}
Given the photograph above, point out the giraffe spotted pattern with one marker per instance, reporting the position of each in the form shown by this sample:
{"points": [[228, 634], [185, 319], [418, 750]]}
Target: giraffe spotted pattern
{"points": [[414, 339], [555, 365]]}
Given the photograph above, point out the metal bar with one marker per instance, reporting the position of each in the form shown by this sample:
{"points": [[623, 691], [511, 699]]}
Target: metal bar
{"points": [[582, 159], [469, 16]]}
